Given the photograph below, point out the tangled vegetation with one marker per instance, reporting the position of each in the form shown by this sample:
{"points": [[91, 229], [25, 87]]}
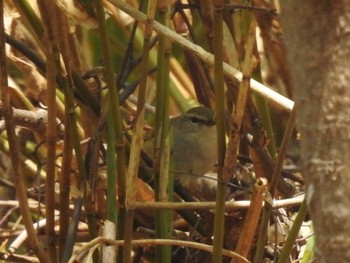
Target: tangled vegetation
{"points": [[83, 85]]}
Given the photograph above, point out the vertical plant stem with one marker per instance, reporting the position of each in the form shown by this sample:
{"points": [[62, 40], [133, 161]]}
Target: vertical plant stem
{"points": [[64, 181], [111, 123], [252, 219], [68, 85], [70, 59], [82, 176], [51, 157], [220, 124], [235, 135], [47, 11], [115, 142], [137, 138], [164, 183], [64, 177], [262, 236], [14, 151]]}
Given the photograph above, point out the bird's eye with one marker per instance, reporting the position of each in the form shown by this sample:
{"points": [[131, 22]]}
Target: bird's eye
{"points": [[194, 119]]}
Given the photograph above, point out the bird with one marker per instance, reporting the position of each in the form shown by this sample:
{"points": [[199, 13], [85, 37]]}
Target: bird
{"points": [[194, 151]]}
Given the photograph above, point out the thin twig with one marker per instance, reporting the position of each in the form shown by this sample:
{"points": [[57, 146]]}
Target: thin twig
{"points": [[151, 242], [230, 205]]}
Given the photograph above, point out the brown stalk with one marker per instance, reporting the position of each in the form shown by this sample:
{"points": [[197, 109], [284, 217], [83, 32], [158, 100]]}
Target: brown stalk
{"points": [[64, 177], [48, 14], [252, 219]]}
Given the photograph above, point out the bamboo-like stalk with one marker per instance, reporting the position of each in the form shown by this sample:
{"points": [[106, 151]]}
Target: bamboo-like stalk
{"points": [[51, 158], [15, 159], [115, 140], [220, 125], [67, 85], [111, 121], [163, 179], [108, 252], [235, 132], [47, 11], [262, 237], [72, 65], [82, 176], [70, 59], [252, 219], [138, 134], [64, 180]]}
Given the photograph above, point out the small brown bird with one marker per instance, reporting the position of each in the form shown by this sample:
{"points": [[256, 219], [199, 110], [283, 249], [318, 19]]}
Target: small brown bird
{"points": [[194, 145]]}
